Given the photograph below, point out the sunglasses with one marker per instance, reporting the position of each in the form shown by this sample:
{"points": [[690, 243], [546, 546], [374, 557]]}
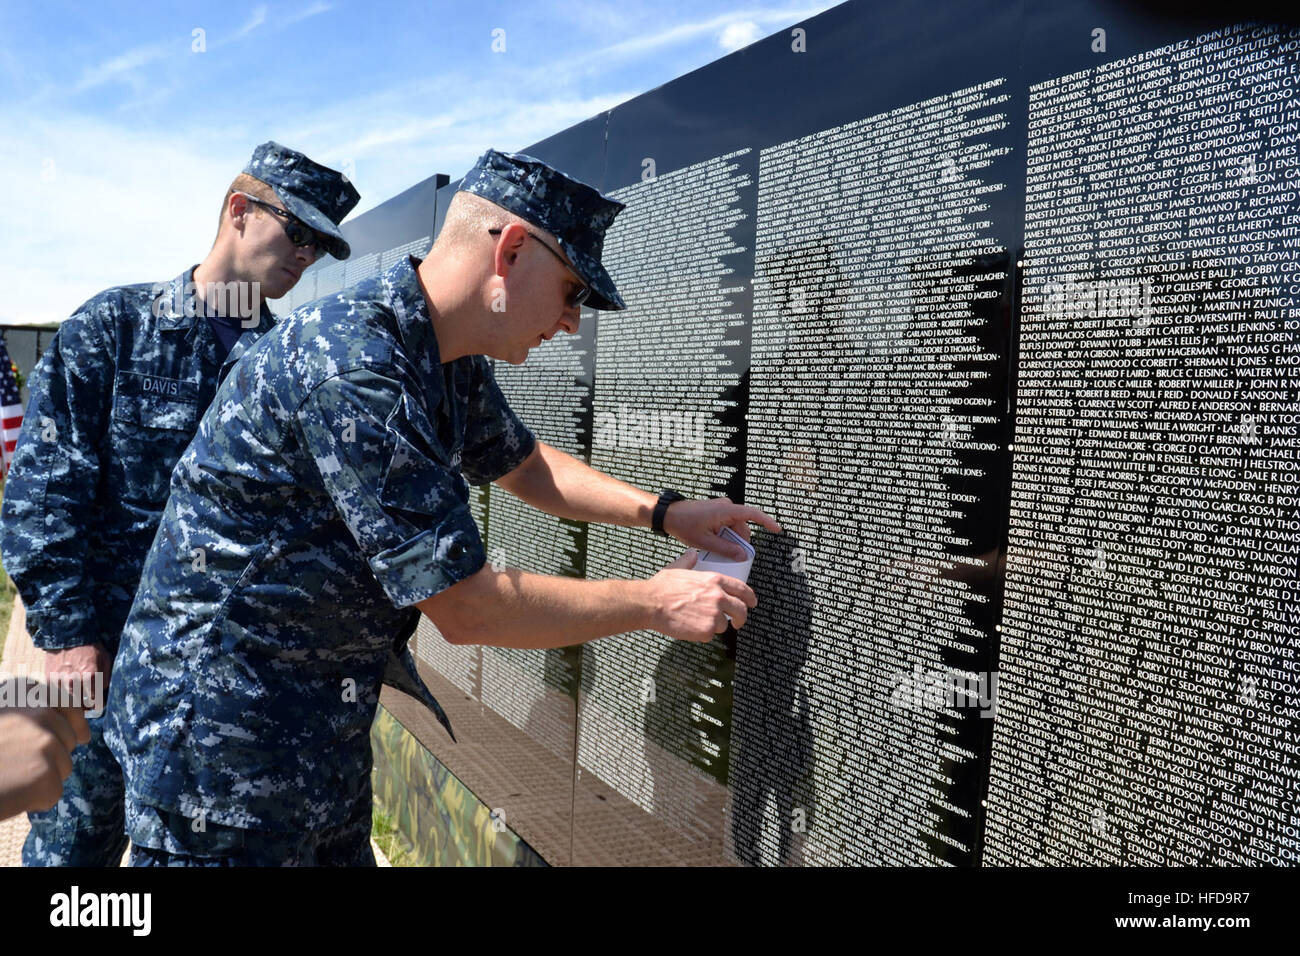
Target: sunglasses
{"points": [[298, 232], [575, 298]]}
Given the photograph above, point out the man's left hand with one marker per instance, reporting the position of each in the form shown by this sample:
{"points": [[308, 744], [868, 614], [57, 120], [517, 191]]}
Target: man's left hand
{"points": [[697, 524]]}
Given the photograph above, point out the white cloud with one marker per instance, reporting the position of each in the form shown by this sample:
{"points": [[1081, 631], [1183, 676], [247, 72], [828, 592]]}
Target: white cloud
{"points": [[686, 32], [737, 35], [390, 157], [393, 143], [257, 18], [129, 205], [313, 10], [93, 205], [123, 66], [152, 87], [140, 207], [126, 67]]}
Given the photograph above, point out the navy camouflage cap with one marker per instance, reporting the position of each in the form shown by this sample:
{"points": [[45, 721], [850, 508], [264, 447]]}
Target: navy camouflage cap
{"points": [[316, 194], [574, 213]]}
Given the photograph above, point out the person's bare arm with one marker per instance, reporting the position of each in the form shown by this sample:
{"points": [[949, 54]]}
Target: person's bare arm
{"points": [[559, 484], [35, 744], [513, 608]]}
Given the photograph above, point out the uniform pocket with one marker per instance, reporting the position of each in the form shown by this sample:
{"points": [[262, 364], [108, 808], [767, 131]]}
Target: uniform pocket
{"points": [[155, 402], [415, 479], [153, 420]]}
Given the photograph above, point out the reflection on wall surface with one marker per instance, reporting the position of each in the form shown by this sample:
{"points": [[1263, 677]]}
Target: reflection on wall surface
{"points": [[1149, 691], [995, 313]]}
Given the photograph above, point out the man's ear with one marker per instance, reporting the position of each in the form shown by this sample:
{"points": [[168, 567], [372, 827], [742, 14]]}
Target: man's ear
{"points": [[238, 208], [509, 243]]}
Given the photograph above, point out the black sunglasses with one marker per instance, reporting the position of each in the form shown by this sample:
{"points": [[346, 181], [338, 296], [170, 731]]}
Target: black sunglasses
{"points": [[298, 232], [575, 298]]}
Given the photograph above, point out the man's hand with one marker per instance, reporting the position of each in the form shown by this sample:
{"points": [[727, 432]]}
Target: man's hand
{"points": [[697, 523], [35, 743], [83, 663], [693, 606]]}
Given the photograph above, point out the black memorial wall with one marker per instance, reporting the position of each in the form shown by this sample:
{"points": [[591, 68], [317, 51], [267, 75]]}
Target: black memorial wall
{"points": [[994, 307]]}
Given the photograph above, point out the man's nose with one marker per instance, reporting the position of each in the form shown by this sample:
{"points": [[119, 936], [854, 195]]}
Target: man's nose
{"points": [[306, 254], [571, 320]]}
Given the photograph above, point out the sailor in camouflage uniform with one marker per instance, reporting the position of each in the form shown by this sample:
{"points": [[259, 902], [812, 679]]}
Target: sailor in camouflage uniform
{"points": [[323, 506], [114, 402]]}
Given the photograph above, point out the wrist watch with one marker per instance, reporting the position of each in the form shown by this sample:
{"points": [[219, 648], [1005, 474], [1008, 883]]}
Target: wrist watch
{"points": [[661, 509]]}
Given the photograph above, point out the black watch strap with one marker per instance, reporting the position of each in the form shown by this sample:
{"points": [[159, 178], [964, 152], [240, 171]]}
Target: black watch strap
{"points": [[661, 508]]}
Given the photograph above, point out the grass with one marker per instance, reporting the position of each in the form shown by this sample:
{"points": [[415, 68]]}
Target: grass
{"points": [[390, 840], [7, 592]]}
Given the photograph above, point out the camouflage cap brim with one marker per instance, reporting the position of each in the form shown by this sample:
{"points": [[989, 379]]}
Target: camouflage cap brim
{"points": [[604, 296], [317, 220]]}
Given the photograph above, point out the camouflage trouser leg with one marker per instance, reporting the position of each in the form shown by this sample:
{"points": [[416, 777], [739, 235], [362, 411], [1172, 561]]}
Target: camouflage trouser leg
{"points": [[347, 844], [147, 856], [86, 827]]}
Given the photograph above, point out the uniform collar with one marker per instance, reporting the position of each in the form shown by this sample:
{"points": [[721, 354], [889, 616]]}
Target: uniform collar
{"points": [[414, 326], [176, 307], [169, 303], [412, 310]]}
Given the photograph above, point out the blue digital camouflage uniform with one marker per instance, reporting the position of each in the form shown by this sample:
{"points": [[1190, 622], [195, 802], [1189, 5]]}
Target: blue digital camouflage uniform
{"points": [[114, 402], [323, 496]]}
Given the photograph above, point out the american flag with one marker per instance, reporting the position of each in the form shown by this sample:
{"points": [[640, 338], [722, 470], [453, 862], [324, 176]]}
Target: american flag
{"points": [[12, 411]]}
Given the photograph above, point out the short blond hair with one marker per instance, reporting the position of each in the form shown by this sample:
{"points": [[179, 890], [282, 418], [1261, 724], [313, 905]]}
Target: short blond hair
{"points": [[250, 185]]}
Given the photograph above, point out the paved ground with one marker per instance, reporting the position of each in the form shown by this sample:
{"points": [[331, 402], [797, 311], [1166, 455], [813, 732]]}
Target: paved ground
{"points": [[20, 657]]}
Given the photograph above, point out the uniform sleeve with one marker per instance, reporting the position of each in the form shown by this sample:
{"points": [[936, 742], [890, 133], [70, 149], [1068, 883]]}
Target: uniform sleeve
{"points": [[496, 441], [50, 491], [392, 484]]}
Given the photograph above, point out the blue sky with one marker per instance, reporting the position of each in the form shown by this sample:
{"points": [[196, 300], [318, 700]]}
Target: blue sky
{"points": [[123, 123]]}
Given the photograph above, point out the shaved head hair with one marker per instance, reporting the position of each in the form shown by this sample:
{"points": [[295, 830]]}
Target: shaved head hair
{"points": [[469, 217]]}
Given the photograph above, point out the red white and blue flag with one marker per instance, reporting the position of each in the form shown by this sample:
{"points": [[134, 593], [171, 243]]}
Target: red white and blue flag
{"points": [[12, 403]]}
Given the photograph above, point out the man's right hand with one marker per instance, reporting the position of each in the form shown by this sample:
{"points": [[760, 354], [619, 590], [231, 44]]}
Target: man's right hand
{"points": [[35, 744], [84, 663], [693, 606]]}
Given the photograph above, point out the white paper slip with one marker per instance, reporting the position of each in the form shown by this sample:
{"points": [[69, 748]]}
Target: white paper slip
{"points": [[709, 561]]}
